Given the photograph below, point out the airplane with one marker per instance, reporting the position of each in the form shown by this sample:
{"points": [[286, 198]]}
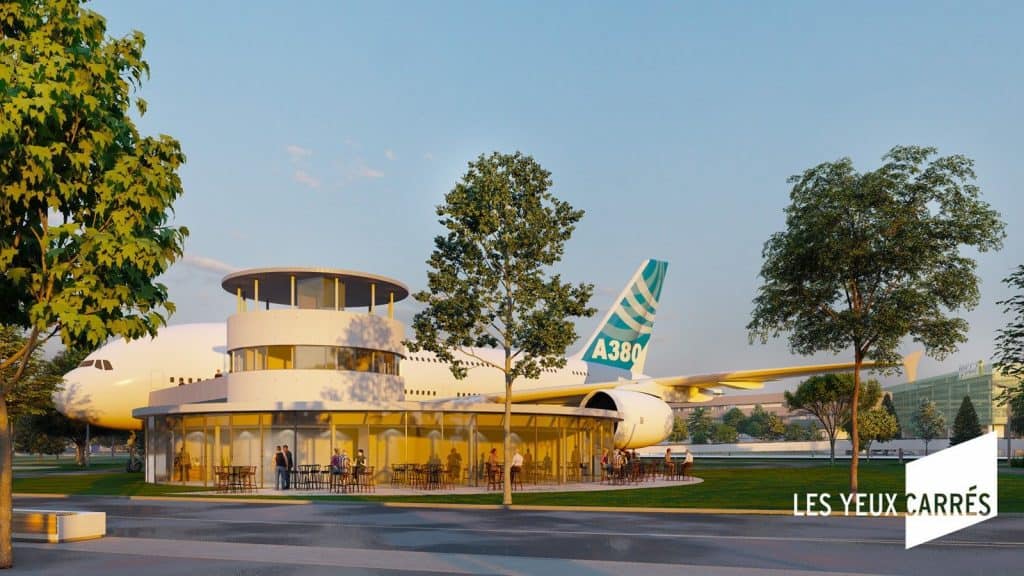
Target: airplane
{"points": [[606, 373]]}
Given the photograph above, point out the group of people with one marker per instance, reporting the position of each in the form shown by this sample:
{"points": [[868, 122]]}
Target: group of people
{"points": [[284, 463], [621, 461]]}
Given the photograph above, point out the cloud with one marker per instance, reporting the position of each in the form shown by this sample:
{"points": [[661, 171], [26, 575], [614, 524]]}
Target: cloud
{"points": [[296, 152], [428, 156], [389, 154], [207, 264], [304, 178], [365, 171]]}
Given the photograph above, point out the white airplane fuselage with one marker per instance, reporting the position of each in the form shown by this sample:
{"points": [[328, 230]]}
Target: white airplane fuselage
{"points": [[189, 353]]}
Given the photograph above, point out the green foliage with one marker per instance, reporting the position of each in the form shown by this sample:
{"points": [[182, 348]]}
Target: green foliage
{"points": [[891, 409], [796, 432], [735, 418], [723, 434], [828, 398], [965, 425], [1015, 418], [763, 425], [929, 423], [869, 258], [86, 199], [489, 282], [32, 392], [1009, 353], [679, 431], [874, 425], [700, 425]]}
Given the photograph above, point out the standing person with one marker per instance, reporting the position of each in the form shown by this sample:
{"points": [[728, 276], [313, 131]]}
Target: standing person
{"points": [[668, 462], [360, 463], [280, 470], [454, 465], [606, 465], [290, 463], [517, 467]]}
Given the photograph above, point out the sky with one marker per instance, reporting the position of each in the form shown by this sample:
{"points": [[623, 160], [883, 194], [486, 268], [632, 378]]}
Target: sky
{"points": [[326, 133]]}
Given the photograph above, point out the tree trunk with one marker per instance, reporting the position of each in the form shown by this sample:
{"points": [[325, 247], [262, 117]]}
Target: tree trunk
{"points": [[506, 488], [832, 448], [6, 477], [854, 436]]}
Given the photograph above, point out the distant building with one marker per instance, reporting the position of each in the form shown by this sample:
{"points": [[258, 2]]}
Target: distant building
{"points": [[947, 391], [772, 402]]}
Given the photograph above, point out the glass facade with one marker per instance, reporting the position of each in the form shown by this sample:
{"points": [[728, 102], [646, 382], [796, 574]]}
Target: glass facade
{"points": [[555, 448], [948, 391], [314, 358]]}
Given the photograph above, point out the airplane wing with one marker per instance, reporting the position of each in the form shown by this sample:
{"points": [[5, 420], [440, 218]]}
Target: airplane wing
{"points": [[675, 388]]}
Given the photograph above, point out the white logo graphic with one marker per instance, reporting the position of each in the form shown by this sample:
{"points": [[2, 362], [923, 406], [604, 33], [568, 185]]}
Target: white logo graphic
{"points": [[951, 490]]}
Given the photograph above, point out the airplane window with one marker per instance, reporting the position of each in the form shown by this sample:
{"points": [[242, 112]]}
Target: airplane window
{"points": [[189, 380], [172, 379], [85, 364], [106, 365]]}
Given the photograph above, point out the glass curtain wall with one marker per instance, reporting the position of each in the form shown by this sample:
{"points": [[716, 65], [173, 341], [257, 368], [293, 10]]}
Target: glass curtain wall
{"points": [[555, 449]]}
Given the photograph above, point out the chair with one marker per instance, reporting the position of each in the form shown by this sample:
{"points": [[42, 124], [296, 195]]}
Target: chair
{"points": [[517, 477], [685, 473], [495, 477]]}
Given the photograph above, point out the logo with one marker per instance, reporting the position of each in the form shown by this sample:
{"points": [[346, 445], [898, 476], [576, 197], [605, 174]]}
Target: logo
{"points": [[951, 490]]}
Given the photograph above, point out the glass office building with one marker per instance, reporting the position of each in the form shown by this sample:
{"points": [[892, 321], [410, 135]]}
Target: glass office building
{"points": [[976, 380]]}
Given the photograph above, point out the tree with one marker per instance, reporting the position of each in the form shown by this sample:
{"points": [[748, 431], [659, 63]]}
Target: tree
{"points": [[965, 425], [723, 434], [867, 259], [763, 425], [86, 199], [32, 392], [876, 424], [700, 425], [929, 423], [795, 432], [891, 409], [735, 418], [679, 431], [827, 397], [488, 283], [1009, 354]]}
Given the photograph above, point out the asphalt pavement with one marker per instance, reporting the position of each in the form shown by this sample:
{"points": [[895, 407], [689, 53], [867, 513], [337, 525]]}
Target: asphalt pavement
{"points": [[153, 538]]}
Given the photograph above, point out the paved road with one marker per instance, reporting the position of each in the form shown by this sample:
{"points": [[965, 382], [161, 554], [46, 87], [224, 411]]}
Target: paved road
{"points": [[153, 538]]}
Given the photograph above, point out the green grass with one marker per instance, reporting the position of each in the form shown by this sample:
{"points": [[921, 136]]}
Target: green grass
{"points": [[98, 484], [758, 485]]}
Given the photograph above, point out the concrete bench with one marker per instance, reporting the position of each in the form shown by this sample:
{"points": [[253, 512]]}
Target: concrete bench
{"points": [[56, 526]]}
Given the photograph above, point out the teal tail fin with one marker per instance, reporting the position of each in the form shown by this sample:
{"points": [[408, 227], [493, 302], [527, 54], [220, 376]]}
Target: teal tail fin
{"points": [[622, 338]]}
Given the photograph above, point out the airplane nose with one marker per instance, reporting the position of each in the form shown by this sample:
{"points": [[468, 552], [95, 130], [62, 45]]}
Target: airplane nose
{"points": [[73, 399]]}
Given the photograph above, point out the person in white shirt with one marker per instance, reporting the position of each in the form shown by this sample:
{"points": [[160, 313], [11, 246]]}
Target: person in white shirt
{"points": [[517, 467]]}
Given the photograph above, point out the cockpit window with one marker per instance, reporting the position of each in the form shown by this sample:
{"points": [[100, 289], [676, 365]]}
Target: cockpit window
{"points": [[106, 365], [85, 364]]}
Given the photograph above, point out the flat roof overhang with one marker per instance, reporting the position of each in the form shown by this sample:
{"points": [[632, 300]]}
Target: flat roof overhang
{"points": [[275, 285], [403, 406]]}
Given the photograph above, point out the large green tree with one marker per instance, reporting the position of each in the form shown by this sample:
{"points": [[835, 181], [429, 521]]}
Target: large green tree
{"points": [[828, 398], [867, 259], [85, 200], [679, 431], [700, 425], [490, 282], [929, 423], [31, 393], [1009, 354], [966, 424]]}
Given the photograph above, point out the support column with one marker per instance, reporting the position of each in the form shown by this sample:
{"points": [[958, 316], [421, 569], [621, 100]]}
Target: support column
{"points": [[256, 293], [342, 297], [336, 282], [293, 292], [373, 295], [240, 301], [391, 305]]}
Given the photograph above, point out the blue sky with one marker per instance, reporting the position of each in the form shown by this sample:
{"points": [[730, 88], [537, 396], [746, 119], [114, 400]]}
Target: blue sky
{"points": [[325, 133]]}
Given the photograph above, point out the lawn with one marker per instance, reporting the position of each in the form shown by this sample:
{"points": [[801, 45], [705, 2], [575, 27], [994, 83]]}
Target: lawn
{"points": [[755, 484]]}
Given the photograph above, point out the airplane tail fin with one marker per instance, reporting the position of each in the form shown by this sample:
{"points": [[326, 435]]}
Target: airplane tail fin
{"points": [[621, 339]]}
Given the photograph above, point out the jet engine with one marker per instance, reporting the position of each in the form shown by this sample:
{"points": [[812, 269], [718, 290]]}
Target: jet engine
{"points": [[646, 419]]}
